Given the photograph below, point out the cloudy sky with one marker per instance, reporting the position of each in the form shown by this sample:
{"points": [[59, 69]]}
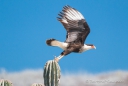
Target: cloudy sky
{"points": [[25, 25]]}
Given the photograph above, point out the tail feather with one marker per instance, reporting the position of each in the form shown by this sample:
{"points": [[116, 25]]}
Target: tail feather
{"points": [[49, 42], [54, 42]]}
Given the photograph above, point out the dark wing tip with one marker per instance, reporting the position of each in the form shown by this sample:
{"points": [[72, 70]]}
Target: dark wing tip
{"points": [[67, 7], [61, 15], [58, 18]]}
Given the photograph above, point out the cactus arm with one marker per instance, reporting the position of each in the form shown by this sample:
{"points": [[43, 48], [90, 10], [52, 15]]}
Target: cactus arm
{"points": [[51, 73]]}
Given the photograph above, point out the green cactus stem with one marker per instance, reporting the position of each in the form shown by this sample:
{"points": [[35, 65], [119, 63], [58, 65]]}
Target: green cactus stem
{"points": [[51, 73], [5, 83]]}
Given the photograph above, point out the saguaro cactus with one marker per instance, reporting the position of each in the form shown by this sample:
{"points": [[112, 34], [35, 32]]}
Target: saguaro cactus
{"points": [[5, 83], [51, 73]]}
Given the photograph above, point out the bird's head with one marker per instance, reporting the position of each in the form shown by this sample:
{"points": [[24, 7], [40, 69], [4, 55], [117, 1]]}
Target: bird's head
{"points": [[87, 47], [91, 46]]}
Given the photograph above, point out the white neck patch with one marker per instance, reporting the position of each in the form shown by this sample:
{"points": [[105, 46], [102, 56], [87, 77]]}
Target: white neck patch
{"points": [[85, 48]]}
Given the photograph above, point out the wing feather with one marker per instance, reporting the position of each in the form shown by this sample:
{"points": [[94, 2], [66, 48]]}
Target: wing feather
{"points": [[75, 24]]}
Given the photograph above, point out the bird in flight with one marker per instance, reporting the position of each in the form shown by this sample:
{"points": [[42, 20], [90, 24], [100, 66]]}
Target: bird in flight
{"points": [[77, 32]]}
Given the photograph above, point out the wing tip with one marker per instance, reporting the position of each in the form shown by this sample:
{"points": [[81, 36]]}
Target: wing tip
{"points": [[70, 12]]}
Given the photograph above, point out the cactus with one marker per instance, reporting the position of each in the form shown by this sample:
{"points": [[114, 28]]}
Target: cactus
{"points": [[37, 84], [5, 83], [51, 73]]}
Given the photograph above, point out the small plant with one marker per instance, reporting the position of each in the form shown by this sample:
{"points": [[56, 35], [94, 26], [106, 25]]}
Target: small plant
{"points": [[51, 73], [5, 83]]}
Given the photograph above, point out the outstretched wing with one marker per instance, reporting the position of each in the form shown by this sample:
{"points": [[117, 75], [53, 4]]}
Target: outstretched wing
{"points": [[75, 24]]}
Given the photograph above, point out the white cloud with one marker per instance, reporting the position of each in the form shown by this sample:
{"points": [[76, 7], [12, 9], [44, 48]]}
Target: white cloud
{"points": [[28, 77]]}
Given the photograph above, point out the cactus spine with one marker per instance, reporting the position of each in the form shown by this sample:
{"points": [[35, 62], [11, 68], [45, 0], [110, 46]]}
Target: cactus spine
{"points": [[51, 73], [5, 83]]}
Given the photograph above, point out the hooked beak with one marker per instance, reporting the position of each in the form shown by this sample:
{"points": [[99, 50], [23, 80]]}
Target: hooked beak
{"points": [[93, 47]]}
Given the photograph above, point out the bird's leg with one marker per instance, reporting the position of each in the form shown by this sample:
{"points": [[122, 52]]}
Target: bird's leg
{"points": [[58, 58], [64, 53]]}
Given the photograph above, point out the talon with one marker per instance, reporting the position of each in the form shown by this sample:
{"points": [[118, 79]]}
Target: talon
{"points": [[56, 59]]}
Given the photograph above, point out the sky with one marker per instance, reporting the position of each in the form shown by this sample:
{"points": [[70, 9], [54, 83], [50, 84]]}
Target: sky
{"points": [[25, 25]]}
